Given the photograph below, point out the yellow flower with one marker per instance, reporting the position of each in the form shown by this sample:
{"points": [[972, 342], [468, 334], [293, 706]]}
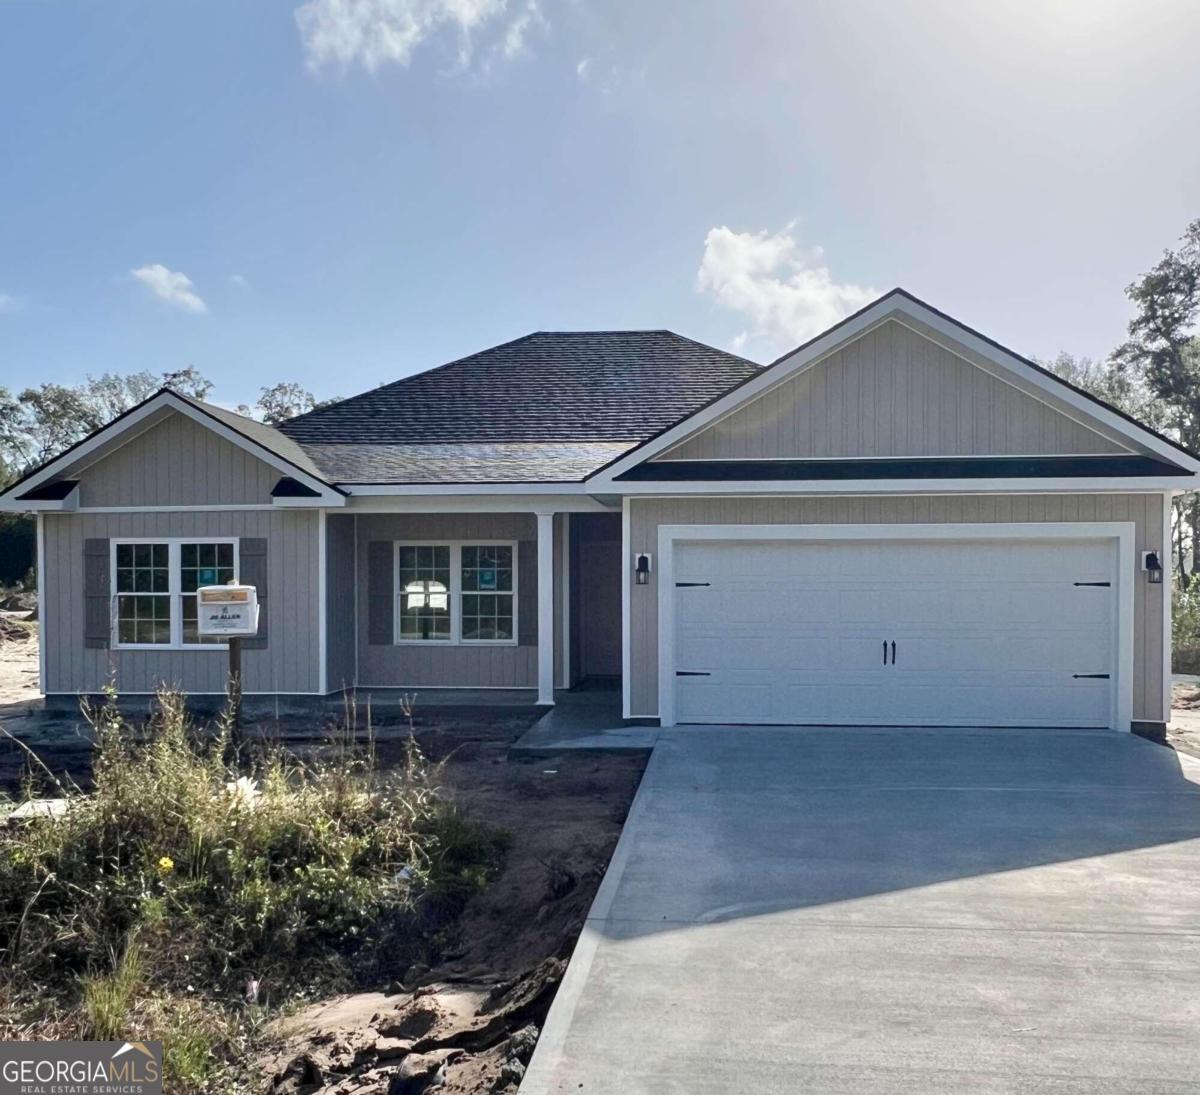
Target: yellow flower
{"points": [[166, 865]]}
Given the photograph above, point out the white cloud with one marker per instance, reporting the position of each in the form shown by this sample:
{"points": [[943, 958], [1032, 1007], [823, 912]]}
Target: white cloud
{"points": [[530, 18], [608, 79], [9, 303], [378, 32], [787, 294], [170, 286], [239, 281]]}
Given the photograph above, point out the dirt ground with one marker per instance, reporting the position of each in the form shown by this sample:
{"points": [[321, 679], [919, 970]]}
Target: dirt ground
{"points": [[18, 661], [470, 1013], [1184, 732], [473, 1017]]}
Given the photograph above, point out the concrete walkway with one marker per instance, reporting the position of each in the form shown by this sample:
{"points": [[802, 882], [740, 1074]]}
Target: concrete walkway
{"points": [[899, 911]]}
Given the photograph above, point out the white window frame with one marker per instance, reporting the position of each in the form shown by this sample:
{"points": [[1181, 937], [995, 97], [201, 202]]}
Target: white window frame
{"points": [[455, 593], [174, 590]]}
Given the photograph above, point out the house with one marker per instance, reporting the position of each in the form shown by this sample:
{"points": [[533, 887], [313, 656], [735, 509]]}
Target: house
{"points": [[901, 522]]}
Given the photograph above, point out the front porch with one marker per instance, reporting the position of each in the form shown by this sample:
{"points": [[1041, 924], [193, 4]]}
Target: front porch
{"points": [[478, 609]]}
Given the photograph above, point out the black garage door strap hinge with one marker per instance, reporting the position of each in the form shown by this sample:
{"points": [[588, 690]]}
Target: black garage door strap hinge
{"points": [[681, 585], [1090, 676], [1106, 584], [691, 673]]}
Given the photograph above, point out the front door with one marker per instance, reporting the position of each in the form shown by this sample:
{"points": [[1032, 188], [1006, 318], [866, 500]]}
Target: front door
{"points": [[601, 600]]}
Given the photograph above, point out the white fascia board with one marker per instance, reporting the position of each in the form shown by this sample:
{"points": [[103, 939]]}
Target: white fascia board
{"points": [[309, 503], [476, 502], [153, 405], [416, 490], [57, 505], [886, 308], [1091, 485]]}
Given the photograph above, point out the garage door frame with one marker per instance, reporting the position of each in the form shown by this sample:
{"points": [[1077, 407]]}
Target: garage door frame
{"points": [[1119, 532]]}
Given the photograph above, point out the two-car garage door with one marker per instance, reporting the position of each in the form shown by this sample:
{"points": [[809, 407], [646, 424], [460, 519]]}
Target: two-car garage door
{"points": [[938, 632]]}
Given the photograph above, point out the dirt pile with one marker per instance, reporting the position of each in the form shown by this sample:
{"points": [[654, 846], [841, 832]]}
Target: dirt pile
{"points": [[457, 1038], [13, 631]]}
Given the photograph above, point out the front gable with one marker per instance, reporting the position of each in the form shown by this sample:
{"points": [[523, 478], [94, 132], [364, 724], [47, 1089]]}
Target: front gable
{"points": [[895, 392], [899, 396], [176, 462]]}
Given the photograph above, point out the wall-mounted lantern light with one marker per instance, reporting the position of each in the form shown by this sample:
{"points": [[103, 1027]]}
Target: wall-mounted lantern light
{"points": [[641, 570], [1152, 565]]}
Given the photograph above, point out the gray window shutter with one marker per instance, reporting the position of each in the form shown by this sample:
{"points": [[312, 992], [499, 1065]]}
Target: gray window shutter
{"points": [[527, 615], [380, 593], [97, 593], [252, 571]]}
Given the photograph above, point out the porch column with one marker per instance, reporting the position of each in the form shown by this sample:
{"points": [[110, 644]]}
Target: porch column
{"points": [[545, 608]]}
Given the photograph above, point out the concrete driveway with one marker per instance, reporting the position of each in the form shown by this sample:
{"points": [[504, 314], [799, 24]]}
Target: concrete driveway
{"points": [[900, 911]]}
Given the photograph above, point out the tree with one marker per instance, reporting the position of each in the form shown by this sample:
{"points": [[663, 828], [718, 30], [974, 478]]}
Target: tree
{"points": [[286, 400], [1118, 386], [41, 422], [1163, 348]]}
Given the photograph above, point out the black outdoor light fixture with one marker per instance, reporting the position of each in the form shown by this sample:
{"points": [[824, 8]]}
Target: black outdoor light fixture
{"points": [[641, 570], [1152, 565]]}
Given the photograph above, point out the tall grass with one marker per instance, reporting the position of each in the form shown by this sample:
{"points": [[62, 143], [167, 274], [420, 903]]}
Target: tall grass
{"points": [[188, 872]]}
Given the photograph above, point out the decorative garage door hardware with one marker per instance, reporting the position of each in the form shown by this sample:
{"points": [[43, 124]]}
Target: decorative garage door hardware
{"points": [[1105, 584], [682, 585], [885, 652], [692, 673], [1090, 676]]}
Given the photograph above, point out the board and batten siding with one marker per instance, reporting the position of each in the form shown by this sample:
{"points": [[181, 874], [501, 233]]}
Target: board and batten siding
{"points": [[893, 392], [1144, 511], [441, 665], [177, 462], [288, 664]]}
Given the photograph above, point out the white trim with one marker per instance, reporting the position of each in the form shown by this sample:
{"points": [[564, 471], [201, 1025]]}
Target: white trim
{"points": [[448, 687], [41, 602], [176, 509], [322, 606], [455, 593], [564, 529], [1121, 714], [887, 307], [545, 607], [150, 407], [174, 572], [1090, 485], [626, 612], [508, 498], [418, 490], [356, 596], [129, 692], [1168, 585]]}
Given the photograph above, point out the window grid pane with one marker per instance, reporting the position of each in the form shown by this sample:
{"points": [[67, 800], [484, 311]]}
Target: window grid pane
{"points": [[424, 593], [143, 619]]}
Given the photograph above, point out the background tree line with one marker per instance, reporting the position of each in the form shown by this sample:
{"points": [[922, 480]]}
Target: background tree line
{"points": [[1155, 375], [40, 422]]}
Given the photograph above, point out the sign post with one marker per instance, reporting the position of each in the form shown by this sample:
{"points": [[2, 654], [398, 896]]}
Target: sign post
{"points": [[230, 613]]}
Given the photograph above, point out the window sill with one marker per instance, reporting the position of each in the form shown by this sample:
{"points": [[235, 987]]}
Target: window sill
{"points": [[452, 643], [170, 646]]}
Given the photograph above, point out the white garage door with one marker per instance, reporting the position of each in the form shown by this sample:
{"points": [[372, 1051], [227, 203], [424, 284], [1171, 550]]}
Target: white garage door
{"points": [[918, 633]]}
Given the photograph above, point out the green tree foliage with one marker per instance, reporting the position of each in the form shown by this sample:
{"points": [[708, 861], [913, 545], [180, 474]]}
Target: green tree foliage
{"points": [[41, 422], [285, 400], [1163, 350]]}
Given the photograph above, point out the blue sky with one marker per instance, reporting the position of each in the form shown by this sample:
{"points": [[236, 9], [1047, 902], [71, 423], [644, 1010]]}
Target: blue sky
{"points": [[341, 192]]}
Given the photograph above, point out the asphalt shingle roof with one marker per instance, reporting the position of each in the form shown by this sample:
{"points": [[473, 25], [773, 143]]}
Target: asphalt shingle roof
{"points": [[548, 386], [480, 462]]}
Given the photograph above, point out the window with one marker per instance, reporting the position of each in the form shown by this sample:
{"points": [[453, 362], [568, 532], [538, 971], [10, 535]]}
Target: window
{"points": [[456, 593], [154, 587]]}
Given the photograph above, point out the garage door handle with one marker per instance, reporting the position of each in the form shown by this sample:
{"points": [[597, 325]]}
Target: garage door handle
{"points": [[691, 673], [885, 651], [893, 652], [1090, 676]]}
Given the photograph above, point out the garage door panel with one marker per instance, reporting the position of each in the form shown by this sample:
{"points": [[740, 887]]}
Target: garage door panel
{"points": [[986, 633]]}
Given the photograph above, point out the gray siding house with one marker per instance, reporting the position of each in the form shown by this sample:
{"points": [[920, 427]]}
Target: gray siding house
{"points": [[898, 523]]}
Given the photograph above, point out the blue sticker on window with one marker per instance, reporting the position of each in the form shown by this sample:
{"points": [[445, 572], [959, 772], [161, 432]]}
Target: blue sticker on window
{"points": [[487, 578], [206, 576]]}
